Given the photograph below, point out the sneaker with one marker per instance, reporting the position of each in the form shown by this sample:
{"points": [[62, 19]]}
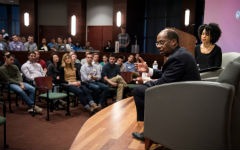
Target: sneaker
{"points": [[30, 110], [95, 106], [38, 109]]}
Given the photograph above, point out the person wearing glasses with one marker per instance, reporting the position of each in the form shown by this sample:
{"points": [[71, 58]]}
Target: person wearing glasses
{"points": [[180, 66]]}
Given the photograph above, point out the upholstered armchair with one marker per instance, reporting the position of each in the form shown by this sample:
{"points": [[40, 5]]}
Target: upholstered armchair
{"points": [[195, 114], [212, 75]]}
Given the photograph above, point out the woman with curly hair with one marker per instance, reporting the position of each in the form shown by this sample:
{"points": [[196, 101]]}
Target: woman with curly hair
{"points": [[208, 54]]}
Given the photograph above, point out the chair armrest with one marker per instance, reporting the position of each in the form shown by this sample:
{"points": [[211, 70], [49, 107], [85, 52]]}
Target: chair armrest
{"points": [[182, 113]]}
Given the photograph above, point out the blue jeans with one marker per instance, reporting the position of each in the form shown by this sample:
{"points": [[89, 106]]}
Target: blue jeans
{"points": [[28, 94], [100, 89]]}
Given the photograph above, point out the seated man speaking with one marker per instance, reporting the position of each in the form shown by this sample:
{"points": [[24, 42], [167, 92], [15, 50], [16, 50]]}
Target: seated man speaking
{"points": [[180, 66]]}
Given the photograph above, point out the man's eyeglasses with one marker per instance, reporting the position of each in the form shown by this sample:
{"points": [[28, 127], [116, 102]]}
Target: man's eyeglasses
{"points": [[161, 42]]}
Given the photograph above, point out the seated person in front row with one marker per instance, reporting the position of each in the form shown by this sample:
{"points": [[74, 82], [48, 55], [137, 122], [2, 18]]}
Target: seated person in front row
{"points": [[10, 73], [111, 75], [31, 69], [69, 75], [180, 66], [208, 55], [91, 75]]}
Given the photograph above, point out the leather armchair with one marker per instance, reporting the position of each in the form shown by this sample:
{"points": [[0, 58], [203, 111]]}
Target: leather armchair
{"points": [[189, 115]]}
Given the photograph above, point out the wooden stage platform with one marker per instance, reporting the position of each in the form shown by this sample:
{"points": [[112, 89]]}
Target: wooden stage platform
{"points": [[111, 129]]}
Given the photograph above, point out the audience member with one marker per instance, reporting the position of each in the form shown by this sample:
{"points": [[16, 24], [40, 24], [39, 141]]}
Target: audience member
{"points": [[69, 75], [5, 34], [61, 46], [77, 47], [119, 62], [31, 69], [40, 61], [3, 44], [180, 66], [10, 73], [53, 68], [129, 64], [108, 47], [43, 46], [88, 46], [30, 45], [104, 60], [84, 60], [124, 40], [53, 45], [69, 46], [208, 54], [111, 75], [95, 61], [16, 44], [91, 76]]}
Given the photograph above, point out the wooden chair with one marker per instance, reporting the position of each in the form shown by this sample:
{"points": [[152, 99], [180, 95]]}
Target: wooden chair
{"points": [[44, 88]]}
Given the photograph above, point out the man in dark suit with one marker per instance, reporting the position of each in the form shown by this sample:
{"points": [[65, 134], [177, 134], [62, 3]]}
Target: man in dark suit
{"points": [[179, 66]]}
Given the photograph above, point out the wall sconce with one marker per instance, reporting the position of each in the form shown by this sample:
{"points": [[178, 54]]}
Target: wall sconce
{"points": [[187, 17], [26, 19], [119, 19], [73, 25]]}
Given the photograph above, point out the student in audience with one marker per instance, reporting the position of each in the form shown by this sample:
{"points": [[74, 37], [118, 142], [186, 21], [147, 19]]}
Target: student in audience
{"points": [[104, 60], [108, 47], [84, 60], [10, 73], [96, 61], [53, 45], [16, 62], [123, 39], [16, 44], [129, 64], [119, 62], [40, 61], [77, 47], [88, 46], [111, 75], [61, 46], [30, 45], [43, 46], [69, 75], [208, 54], [180, 66], [91, 76], [75, 57], [137, 56], [3, 44], [69, 46], [31, 69], [53, 68]]}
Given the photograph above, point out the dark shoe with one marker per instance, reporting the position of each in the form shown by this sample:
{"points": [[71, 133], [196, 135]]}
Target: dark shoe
{"points": [[138, 136]]}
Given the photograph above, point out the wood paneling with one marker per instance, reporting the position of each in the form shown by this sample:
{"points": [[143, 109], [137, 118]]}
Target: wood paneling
{"points": [[28, 6], [78, 8], [52, 32], [98, 35]]}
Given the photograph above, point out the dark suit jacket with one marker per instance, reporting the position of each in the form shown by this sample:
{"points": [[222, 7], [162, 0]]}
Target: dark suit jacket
{"points": [[180, 66]]}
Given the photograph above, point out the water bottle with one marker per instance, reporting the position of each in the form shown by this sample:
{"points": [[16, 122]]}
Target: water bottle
{"points": [[155, 65]]}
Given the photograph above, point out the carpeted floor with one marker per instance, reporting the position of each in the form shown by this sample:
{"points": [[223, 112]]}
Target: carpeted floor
{"points": [[25, 132]]}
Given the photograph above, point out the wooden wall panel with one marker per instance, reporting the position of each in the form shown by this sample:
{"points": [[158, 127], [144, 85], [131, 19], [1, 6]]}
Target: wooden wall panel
{"points": [[28, 6], [52, 32], [98, 35], [78, 8]]}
